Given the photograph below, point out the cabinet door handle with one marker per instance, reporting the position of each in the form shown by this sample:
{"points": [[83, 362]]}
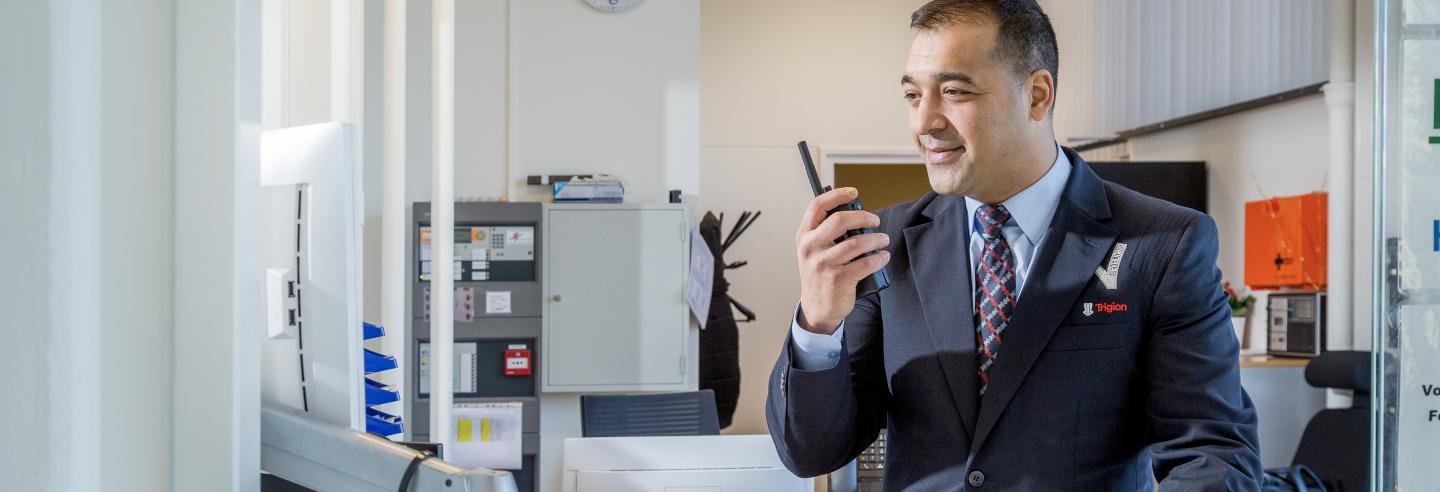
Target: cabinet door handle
{"points": [[555, 298]]}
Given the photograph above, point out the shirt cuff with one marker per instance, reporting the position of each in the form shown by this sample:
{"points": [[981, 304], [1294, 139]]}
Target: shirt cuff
{"points": [[815, 352]]}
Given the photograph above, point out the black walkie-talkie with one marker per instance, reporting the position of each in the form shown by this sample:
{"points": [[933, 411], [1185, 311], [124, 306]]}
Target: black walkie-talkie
{"points": [[874, 282]]}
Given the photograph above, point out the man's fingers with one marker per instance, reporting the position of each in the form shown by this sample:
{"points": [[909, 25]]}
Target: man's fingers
{"points": [[816, 241], [815, 212], [849, 249], [835, 226], [861, 267]]}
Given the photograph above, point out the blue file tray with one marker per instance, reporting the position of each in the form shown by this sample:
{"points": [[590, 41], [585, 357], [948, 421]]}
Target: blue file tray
{"points": [[370, 331], [377, 362], [378, 394], [378, 422]]}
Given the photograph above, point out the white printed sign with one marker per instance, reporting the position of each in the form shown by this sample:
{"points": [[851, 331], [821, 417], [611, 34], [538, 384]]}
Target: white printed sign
{"points": [[497, 302]]}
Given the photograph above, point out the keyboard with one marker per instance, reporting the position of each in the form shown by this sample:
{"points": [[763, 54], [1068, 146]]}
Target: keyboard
{"points": [[870, 467]]}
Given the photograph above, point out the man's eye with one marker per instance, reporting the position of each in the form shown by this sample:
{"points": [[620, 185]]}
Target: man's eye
{"points": [[957, 92], [911, 96]]}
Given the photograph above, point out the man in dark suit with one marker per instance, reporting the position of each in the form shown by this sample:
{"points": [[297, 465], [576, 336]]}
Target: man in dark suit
{"points": [[1043, 330]]}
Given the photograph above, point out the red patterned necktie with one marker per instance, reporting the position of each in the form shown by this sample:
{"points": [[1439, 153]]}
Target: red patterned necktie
{"points": [[995, 287]]}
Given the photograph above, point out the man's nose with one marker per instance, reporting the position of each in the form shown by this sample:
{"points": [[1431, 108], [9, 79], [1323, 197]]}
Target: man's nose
{"points": [[927, 117]]}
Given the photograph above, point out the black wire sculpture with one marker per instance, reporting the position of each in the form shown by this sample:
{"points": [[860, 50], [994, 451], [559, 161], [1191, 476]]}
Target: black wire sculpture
{"points": [[720, 340]]}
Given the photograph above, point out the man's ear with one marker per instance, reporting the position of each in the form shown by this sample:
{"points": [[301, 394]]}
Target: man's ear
{"points": [[1040, 87]]}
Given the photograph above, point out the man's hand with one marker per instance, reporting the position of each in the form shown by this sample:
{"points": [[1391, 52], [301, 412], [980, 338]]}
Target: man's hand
{"points": [[827, 274]]}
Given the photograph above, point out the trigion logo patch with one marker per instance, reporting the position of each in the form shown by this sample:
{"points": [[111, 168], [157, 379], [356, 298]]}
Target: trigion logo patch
{"points": [[1091, 308], [1110, 273]]}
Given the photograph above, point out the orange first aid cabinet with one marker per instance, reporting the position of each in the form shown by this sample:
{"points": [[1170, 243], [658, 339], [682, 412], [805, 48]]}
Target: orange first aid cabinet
{"points": [[1285, 242]]}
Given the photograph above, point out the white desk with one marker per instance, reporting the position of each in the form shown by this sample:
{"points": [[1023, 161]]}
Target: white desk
{"points": [[1284, 401]]}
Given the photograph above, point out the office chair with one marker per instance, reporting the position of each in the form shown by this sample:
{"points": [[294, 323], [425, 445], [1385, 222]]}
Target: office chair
{"points": [[666, 414], [1336, 442]]}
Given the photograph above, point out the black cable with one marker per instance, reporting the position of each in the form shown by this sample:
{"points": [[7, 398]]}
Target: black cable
{"points": [[410, 469]]}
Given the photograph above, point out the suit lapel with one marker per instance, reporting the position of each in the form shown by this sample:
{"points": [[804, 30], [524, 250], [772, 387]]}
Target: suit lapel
{"points": [[1075, 244], [939, 268]]}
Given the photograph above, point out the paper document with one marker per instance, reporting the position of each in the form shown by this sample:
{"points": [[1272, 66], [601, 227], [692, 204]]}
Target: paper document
{"points": [[702, 277], [497, 302], [487, 435]]}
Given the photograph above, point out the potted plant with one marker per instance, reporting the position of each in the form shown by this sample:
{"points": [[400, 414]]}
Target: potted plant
{"points": [[1241, 304]]}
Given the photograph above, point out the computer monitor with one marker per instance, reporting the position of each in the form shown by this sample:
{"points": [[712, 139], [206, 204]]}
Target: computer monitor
{"points": [[731, 463], [312, 354]]}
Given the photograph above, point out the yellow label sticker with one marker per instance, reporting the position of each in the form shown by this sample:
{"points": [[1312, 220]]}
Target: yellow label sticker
{"points": [[484, 430], [462, 427]]}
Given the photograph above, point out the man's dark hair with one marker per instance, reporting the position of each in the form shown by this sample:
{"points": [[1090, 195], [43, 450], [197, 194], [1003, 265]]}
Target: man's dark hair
{"points": [[1026, 38]]}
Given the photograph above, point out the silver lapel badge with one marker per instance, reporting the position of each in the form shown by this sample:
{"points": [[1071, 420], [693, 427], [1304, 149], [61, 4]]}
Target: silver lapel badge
{"points": [[1110, 273]]}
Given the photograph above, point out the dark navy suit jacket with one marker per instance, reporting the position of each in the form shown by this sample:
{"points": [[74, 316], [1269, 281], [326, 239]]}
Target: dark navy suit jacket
{"points": [[1094, 388]]}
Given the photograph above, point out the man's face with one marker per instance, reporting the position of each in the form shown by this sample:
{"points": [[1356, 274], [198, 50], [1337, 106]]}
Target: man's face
{"points": [[967, 110]]}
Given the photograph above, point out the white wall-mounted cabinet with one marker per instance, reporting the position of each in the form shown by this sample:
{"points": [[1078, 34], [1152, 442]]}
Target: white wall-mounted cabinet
{"points": [[615, 317]]}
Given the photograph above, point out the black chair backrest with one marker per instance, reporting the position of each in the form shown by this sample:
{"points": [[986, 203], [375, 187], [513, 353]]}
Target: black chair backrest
{"points": [[1336, 442], [666, 414], [1341, 369]]}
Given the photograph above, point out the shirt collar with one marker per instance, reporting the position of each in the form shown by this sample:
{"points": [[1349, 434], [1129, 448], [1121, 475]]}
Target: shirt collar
{"points": [[1032, 208]]}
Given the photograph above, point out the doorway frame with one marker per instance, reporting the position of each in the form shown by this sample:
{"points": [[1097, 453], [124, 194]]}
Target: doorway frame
{"points": [[840, 154]]}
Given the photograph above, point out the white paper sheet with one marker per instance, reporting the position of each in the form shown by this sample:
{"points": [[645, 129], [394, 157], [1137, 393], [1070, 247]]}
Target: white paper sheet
{"points": [[702, 278], [487, 435], [497, 302]]}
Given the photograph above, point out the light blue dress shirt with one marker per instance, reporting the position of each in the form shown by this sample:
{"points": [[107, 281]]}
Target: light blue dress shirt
{"points": [[1030, 210]]}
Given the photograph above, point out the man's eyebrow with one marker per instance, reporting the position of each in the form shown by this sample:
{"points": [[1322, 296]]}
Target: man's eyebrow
{"points": [[954, 77], [942, 77]]}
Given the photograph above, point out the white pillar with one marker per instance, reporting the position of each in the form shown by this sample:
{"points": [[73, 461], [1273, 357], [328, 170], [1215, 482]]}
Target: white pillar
{"points": [[340, 81], [76, 133], [442, 222], [1340, 101], [219, 246], [393, 220]]}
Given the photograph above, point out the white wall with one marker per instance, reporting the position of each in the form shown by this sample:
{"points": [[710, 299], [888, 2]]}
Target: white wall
{"points": [[553, 86], [481, 81], [774, 73], [296, 62], [482, 61], [607, 93], [308, 62]]}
